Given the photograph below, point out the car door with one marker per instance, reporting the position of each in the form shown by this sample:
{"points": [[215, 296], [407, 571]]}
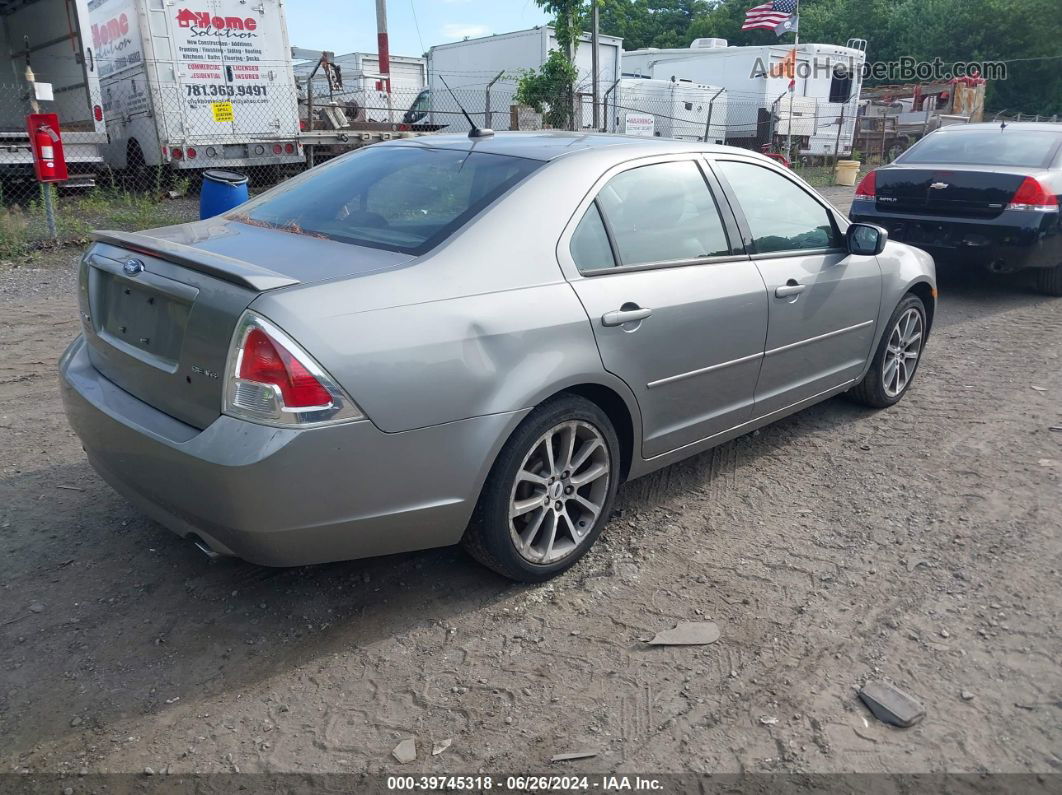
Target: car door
{"points": [[823, 301], [678, 309]]}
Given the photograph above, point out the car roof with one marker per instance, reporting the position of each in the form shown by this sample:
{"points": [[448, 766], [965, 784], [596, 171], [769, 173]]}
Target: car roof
{"points": [[1043, 126], [552, 144]]}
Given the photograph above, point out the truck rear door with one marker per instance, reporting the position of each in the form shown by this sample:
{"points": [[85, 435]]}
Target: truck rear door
{"points": [[233, 67], [57, 35]]}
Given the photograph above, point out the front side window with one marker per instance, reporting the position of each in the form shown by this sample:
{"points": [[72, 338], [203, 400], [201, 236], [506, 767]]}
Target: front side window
{"points": [[660, 213], [399, 198], [781, 216]]}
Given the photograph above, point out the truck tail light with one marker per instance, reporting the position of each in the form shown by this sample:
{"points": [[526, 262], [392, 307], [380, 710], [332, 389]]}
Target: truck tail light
{"points": [[190, 153], [278, 149], [868, 187], [97, 112], [272, 381], [1032, 195], [289, 148], [177, 153]]}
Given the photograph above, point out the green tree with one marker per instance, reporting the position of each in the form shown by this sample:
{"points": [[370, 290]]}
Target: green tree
{"points": [[1026, 32], [549, 90]]}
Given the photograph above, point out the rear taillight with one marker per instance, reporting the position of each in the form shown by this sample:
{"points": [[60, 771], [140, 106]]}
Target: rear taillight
{"points": [[97, 112], [191, 153], [278, 149], [289, 148], [868, 187], [271, 380], [1032, 195], [270, 364], [176, 153]]}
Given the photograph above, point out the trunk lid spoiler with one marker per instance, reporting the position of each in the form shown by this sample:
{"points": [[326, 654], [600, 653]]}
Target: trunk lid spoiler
{"points": [[220, 266]]}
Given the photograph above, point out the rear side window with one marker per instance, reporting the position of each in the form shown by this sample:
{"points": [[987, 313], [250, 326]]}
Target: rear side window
{"points": [[658, 213], [406, 199], [841, 84], [781, 216], [590, 247], [985, 147]]}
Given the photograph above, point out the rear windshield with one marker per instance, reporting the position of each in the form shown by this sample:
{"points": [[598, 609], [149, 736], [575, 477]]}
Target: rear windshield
{"points": [[986, 147], [399, 198]]}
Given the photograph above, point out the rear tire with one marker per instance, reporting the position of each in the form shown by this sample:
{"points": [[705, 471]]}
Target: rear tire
{"points": [[549, 493], [1049, 281], [896, 361]]}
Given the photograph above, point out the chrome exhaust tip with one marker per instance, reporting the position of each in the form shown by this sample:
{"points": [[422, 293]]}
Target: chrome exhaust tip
{"points": [[203, 547]]}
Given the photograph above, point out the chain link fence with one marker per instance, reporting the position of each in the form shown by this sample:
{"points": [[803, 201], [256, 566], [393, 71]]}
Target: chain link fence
{"points": [[142, 165]]}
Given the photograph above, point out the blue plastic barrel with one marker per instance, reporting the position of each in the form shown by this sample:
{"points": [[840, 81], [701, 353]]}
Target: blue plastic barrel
{"points": [[221, 191]]}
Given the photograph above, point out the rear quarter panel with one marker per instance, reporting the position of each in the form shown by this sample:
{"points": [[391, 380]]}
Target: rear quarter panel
{"points": [[484, 324]]}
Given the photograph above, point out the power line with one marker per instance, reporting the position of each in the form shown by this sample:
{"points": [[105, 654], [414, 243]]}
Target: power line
{"points": [[416, 24]]}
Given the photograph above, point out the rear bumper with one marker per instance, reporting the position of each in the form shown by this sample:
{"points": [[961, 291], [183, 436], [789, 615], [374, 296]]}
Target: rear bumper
{"points": [[280, 497], [1013, 240]]}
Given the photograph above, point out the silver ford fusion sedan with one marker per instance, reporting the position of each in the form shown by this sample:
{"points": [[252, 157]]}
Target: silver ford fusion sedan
{"points": [[474, 340]]}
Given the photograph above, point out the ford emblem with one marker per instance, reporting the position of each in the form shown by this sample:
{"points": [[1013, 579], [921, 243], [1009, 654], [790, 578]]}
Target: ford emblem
{"points": [[133, 267]]}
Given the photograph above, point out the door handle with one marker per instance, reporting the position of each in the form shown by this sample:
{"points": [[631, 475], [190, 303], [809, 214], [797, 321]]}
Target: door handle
{"points": [[631, 313], [789, 289]]}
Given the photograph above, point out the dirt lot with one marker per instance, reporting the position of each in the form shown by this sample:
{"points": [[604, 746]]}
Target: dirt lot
{"points": [[921, 544]]}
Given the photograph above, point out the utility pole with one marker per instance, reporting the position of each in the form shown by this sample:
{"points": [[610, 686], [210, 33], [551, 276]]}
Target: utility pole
{"points": [[384, 52], [594, 64], [382, 45]]}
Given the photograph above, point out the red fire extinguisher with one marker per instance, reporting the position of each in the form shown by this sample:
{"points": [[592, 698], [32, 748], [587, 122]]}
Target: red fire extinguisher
{"points": [[49, 164]]}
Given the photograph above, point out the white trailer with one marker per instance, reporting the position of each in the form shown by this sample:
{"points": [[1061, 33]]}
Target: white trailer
{"points": [[825, 99], [667, 109], [196, 83], [361, 95], [52, 37], [468, 66]]}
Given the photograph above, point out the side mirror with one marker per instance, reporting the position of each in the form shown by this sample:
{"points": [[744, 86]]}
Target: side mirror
{"points": [[866, 240]]}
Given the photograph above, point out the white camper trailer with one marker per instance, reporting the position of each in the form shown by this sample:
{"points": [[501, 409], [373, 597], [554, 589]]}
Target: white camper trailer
{"points": [[667, 109], [468, 66], [197, 84], [53, 37], [824, 102]]}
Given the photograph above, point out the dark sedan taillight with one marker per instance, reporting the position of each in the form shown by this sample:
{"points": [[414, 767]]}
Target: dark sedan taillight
{"points": [[1032, 195], [868, 187]]}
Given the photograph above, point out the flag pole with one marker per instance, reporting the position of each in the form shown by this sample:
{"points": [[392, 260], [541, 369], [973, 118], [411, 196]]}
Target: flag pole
{"points": [[792, 91]]}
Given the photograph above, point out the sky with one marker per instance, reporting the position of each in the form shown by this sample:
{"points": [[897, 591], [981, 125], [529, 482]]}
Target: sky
{"points": [[344, 26]]}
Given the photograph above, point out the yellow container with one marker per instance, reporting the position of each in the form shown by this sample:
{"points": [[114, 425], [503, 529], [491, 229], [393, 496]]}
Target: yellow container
{"points": [[846, 172]]}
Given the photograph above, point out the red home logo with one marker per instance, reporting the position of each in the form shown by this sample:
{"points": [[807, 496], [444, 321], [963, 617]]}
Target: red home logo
{"points": [[203, 19], [110, 31]]}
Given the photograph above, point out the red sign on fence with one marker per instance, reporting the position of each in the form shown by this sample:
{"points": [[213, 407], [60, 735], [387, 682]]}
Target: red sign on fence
{"points": [[49, 164]]}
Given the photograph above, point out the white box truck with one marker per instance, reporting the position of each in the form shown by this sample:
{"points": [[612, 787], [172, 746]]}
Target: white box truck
{"points": [[361, 96], [668, 109], [196, 83], [53, 37], [826, 95], [468, 66]]}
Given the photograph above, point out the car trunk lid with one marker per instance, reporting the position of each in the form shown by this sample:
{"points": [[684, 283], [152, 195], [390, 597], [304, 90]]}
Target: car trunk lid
{"points": [[159, 314], [946, 191]]}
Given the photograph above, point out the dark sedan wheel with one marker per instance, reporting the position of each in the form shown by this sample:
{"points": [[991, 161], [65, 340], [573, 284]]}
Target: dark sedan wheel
{"points": [[1049, 280], [549, 494], [897, 357]]}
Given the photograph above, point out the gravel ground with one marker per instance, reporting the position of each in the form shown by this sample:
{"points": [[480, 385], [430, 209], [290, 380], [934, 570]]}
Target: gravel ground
{"points": [[922, 545]]}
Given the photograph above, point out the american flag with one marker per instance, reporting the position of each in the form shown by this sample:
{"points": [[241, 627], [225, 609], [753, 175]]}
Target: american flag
{"points": [[770, 15]]}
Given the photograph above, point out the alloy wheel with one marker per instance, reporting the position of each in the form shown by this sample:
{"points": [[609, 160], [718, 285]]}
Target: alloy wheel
{"points": [[901, 356], [559, 492]]}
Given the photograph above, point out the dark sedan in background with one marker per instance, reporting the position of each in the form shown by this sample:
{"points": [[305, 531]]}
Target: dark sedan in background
{"points": [[978, 195]]}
